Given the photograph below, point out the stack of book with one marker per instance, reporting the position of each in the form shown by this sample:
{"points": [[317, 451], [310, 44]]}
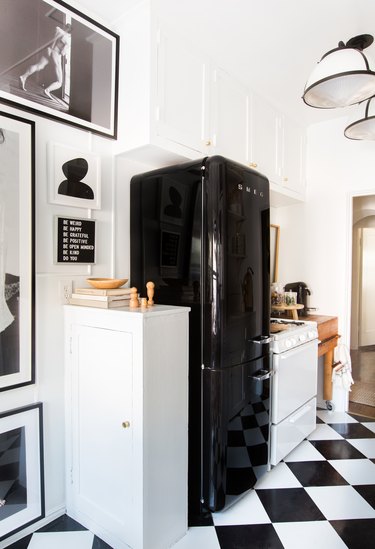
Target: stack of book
{"points": [[105, 299]]}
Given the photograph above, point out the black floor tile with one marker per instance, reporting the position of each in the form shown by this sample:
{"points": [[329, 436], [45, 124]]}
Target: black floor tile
{"points": [[204, 519], [352, 430], [100, 544], [367, 491], [289, 505], [63, 524], [256, 536], [357, 534], [337, 449], [318, 420], [316, 473]]}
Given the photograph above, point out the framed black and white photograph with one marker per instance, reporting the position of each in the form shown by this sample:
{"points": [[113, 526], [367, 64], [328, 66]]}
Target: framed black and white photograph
{"points": [[17, 252], [59, 63], [74, 177], [22, 476]]}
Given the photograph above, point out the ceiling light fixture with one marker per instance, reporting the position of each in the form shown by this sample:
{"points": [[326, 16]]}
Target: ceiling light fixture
{"points": [[342, 77], [363, 126]]}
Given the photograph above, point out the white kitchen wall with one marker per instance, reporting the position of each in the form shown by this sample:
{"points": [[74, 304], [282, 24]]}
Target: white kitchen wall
{"points": [[316, 236]]}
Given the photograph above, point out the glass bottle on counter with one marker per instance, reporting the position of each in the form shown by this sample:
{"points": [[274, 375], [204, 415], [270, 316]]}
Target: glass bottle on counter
{"points": [[277, 293]]}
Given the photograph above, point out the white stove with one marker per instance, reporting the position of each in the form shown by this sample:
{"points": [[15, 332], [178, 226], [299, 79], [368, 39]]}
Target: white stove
{"points": [[294, 384], [288, 334]]}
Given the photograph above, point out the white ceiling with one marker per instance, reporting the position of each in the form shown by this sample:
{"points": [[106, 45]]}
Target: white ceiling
{"points": [[271, 45]]}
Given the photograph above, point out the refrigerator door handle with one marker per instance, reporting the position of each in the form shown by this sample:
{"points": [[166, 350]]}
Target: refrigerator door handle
{"points": [[262, 375], [262, 340]]}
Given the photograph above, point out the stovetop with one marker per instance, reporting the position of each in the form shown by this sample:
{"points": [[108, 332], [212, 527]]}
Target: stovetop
{"points": [[287, 334]]}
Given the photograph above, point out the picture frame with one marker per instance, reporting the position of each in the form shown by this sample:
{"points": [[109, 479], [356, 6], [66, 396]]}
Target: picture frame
{"points": [[64, 68], [274, 252], [75, 240], [17, 252], [22, 500], [74, 177]]}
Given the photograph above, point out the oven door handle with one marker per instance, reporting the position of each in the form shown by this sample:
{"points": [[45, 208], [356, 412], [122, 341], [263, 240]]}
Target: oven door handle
{"points": [[262, 375], [262, 340]]}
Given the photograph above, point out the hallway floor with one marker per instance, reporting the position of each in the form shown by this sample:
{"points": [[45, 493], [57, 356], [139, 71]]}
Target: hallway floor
{"points": [[322, 495], [363, 372]]}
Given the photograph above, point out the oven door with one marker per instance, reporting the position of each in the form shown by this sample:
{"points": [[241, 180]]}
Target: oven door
{"points": [[295, 379]]}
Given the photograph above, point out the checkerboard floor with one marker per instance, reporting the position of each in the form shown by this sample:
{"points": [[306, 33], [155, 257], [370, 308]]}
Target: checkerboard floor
{"points": [[322, 495]]}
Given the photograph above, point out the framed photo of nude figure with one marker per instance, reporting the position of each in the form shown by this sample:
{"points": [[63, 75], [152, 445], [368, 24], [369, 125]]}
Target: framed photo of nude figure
{"points": [[17, 252], [22, 477], [59, 63]]}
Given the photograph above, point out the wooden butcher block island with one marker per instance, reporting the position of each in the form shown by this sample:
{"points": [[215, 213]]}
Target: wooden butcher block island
{"points": [[328, 337]]}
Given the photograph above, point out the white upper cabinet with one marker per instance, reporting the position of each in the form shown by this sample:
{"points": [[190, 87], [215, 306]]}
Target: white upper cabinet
{"points": [[293, 163], [230, 117], [182, 113], [178, 104], [265, 138]]}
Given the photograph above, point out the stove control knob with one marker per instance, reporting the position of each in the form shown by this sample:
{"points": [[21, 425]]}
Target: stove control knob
{"points": [[288, 343], [293, 341], [311, 334], [302, 337]]}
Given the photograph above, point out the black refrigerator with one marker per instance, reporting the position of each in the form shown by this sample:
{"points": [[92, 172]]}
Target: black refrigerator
{"points": [[200, 232]]}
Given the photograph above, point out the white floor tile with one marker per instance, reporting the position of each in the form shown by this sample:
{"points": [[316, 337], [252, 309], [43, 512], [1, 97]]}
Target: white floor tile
{"points": [[62, 540], [200, 537], [355, 471], [279, 477], [340, 502], [364, 445], [309, 535], [335, 417], [304, 452], [324, 432], [248, 509], [370, 425]]}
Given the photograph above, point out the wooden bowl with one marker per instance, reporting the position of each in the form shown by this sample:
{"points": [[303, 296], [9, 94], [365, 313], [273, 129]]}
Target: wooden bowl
{"points": [[107, 283]]}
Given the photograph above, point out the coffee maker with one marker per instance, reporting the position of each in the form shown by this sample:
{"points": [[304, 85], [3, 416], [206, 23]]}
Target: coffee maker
{"points": [[302, 293]]}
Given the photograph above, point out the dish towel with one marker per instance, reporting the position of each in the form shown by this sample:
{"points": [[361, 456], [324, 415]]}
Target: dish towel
{"points": [[342, 369]]}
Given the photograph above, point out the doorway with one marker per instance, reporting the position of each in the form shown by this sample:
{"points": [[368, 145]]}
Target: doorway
{"points": [[362, 348]]}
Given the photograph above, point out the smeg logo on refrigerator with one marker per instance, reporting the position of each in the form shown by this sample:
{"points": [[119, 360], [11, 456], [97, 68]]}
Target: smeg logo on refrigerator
{"points": [[247, 189]]}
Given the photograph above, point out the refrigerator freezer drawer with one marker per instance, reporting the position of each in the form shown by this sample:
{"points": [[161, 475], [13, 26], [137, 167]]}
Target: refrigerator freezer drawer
{"points": [[294, 429]]}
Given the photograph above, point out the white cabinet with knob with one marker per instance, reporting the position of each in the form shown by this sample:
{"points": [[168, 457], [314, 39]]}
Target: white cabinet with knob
{"points": [[293, 157], [265, 138], [182, 108], [126, 423], [229, 117]]}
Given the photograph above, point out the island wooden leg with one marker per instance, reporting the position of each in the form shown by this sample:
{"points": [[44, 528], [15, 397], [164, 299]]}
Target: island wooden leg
{"points": [[327, 380]]}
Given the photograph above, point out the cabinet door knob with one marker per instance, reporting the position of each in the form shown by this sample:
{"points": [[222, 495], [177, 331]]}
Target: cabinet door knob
{"points": [[208, 142], [285, 179], [126, 424], [253, 165]]}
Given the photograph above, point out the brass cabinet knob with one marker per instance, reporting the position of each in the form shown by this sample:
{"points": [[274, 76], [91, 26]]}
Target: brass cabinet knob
{"points": [[126, 424], [208, 142], [253, 165], [285, 179]]}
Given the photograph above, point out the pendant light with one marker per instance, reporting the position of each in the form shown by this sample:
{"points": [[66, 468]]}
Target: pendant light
{"points": [[343, 76], [363, 125]]}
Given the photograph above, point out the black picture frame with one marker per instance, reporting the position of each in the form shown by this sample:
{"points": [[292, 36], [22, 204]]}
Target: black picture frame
{"points": [[17, 252], [22, 499], [59, 63]]}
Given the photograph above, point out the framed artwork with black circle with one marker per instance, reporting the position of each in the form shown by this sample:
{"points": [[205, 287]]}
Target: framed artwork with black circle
{"points": [[73, 177]]}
